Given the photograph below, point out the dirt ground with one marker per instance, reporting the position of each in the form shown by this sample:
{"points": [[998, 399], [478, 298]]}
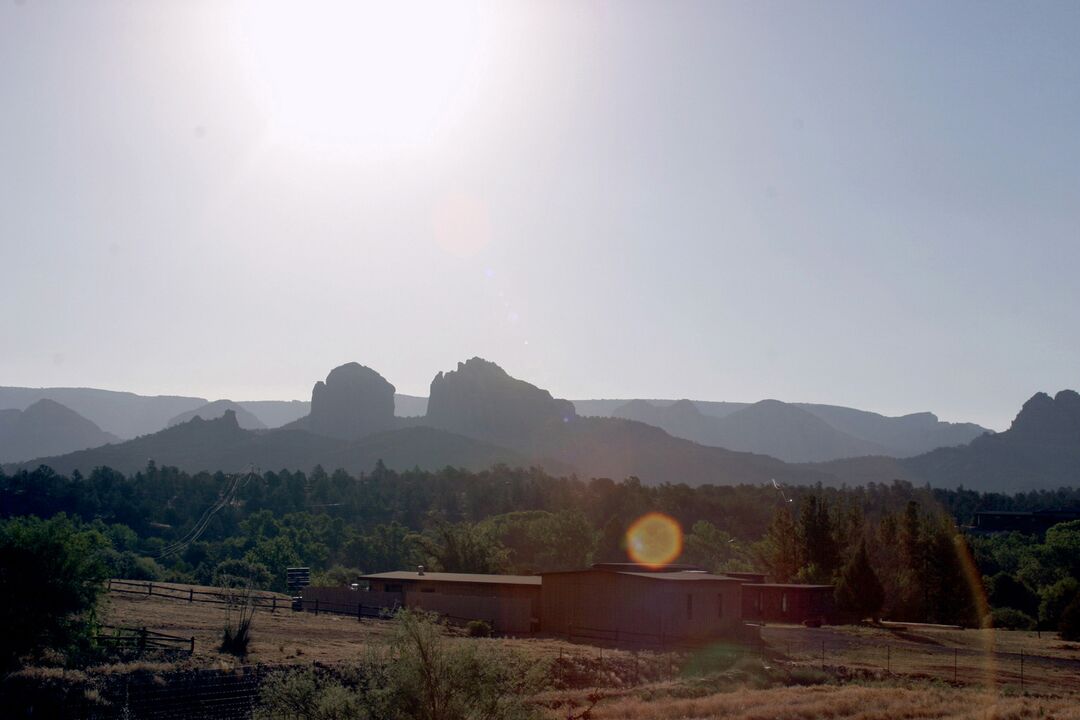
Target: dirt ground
{"points": [[964, 657], [647, 684]]}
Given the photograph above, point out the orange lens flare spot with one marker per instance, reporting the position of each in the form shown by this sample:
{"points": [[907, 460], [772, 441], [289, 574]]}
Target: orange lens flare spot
{"points": [[654, 539]]}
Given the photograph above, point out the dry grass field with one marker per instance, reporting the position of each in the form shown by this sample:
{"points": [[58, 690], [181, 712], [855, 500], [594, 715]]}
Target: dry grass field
{"points": [[839, 703], [868, 672]]}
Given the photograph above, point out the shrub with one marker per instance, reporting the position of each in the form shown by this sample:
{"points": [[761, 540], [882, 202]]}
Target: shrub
{"points": [[435, 679], [303, 694], [239, 612], [478, 628], [1009, 619], [1069, 626], [422, 675], [337, 576], [240, 574], [1055, 598]]}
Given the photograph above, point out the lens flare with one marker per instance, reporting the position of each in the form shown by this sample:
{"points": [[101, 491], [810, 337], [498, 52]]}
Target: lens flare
{"points": [[654, 539]]}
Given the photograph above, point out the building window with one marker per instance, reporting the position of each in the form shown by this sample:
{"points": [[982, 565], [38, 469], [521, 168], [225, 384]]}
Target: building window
{"points": [[393, 587], [719, 606], [689, 607], [783, 602]]}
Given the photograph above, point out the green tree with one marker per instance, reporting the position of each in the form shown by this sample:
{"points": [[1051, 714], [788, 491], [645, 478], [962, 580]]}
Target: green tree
{"points": [[461, 547], [779, 550], [51, 577], [1053, 599], [817, 540], [1069, 625], [714, 549], [858, 590]]}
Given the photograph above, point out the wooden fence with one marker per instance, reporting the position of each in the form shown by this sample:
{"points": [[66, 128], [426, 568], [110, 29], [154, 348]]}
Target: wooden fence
{"points": [[264, 601], [141, 639]]}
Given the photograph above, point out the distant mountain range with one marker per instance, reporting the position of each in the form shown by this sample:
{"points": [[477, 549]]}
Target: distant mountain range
{"points": [[478, 415], [211, 411], [798, 432], [1040, 450], [46, 428], [127, 415]]}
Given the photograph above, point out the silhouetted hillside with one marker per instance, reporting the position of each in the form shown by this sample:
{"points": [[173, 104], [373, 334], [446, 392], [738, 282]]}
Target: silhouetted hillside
{"points": [[796, 432], [216, 409], [221, 444], [617, 448], [481, 400], [354, 401], [46, 428], [1041, 450], [901, 436], [769, 427], [275, 413], [123, 414]]}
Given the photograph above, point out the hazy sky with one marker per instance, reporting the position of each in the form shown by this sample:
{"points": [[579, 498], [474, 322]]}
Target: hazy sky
{"points": [[874, 205]]}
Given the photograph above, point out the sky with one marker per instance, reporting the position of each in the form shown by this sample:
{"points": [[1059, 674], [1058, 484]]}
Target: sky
{"points": [[865, 204]]}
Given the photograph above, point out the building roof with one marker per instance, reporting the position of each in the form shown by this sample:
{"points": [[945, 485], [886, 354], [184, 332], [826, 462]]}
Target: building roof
{"points": [[412, 575], [638, 567], [682, 575], [789, 586], [637, 571]]}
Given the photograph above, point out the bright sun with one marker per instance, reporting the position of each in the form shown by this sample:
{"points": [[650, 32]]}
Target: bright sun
{"points": [[361, 75]]}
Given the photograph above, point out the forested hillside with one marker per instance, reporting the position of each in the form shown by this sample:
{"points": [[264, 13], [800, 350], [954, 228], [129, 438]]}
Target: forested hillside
{"points": [[514, 520]]}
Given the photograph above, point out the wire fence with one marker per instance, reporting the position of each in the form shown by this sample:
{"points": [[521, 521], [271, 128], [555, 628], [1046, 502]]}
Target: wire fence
{"points": [[823, 648], [925, 657]]}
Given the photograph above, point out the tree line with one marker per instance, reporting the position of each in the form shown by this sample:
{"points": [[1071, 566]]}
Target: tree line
{"points": [[892, 550]]}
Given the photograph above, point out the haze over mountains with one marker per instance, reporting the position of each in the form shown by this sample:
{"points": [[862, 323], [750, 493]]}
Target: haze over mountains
{"points": [[794, 432], [799, 432], [478, 415], [47, 428]]}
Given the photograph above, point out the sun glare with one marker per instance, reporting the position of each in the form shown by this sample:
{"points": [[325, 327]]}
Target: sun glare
{"points": [[361, 75], [654, 540]]}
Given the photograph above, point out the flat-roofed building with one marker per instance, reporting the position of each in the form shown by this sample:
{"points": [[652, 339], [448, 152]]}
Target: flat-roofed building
{"points": [[511, 603], [788, 603], [633, 604]]}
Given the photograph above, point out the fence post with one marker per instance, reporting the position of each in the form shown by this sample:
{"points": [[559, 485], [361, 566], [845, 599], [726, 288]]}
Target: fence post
{"points": [[150, 588], [109, 586], [273, 605], [142, 639], [359, 612], [192, 644], [316, 606], [191, 595]]}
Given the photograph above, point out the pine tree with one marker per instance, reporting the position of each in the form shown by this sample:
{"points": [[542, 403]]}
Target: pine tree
{"points": [[817, 540], [779, 549], [858, 590]]}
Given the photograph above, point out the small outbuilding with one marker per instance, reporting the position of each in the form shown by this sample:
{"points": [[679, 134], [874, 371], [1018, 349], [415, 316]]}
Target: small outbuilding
{"points": [[788, 603], [510, 603], [631, 603]]}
